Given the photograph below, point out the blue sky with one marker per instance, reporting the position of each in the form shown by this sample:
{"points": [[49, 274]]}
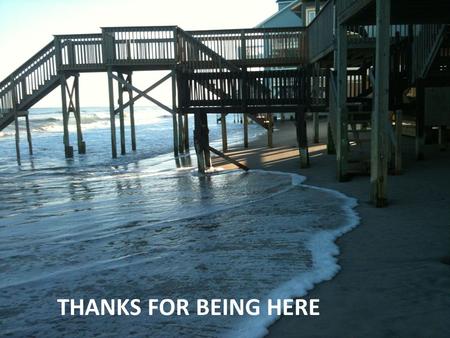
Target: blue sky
{"points": [[27, 25]]}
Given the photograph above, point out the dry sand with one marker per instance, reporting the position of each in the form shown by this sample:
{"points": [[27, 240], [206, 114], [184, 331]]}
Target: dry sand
{"points": [[393, 282]]}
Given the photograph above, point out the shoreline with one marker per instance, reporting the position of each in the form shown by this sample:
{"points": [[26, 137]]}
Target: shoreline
{"points": [[392, 277]]}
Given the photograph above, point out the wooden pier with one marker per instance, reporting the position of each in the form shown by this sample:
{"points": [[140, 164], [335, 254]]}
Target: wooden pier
{"points": [[221, 71], [371, 65]]}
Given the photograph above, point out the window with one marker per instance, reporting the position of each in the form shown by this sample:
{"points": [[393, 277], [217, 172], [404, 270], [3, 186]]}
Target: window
{"points": [[310, 15]]}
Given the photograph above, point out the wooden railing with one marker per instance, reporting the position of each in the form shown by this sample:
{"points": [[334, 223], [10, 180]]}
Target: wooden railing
{"points": [[28, 79], [425, 46], [321, 32], [80, 51], [258, 44], [277, 87], [139, 45]]}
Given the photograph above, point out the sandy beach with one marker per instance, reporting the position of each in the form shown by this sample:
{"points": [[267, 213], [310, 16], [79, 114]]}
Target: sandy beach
{"points": [[395, 277]]}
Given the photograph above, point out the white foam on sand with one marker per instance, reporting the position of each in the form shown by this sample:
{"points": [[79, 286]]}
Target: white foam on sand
{"points": [[325, 265]]}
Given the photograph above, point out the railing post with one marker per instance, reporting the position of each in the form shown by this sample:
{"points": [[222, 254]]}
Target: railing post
{"points": [[58, 53]]}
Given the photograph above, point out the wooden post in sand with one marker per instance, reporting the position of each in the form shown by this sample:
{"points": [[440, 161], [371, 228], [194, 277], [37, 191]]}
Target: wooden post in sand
{"points": [[223, 124], [443, 138], [302, 137], [245, 117], [174, 114], [68, 150], [341, 106], [380, 117], [201, 142], [30, 143], [112, 114], [120, 90], [186, 133], [270, 130], [132, 121], [75, 106]]}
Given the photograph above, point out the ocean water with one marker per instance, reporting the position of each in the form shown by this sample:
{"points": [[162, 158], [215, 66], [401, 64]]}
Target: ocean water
{"points": [[143, 227]]}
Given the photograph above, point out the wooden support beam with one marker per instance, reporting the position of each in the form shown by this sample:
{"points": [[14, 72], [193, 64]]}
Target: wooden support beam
{"points": [[331, 148], [68, 150], [132, 121], [229, 159], [316, 127], [201, 142], [112, 114], [120, 89], [270, 131], [223, 124], [16, 124], [140, 92], [181, 132], [77, 112], [176, 149], [302, 137], [245, 117], [380, 117], [341, 109], [186, 133], [30, 143]]}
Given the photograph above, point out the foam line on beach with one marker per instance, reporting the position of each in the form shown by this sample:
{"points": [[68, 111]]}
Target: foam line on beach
{"points": [[325, 254]]}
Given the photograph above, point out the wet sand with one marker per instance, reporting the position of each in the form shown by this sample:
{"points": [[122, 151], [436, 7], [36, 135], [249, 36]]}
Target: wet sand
{"points": [[394, 281]]}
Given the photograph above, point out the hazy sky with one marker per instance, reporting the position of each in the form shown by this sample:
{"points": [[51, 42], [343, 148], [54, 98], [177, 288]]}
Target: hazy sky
{"points": [[27, 25]]}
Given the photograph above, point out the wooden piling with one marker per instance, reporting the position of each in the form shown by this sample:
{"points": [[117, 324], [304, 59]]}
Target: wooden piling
{"points": [[342, 115], [186, 133], [121, 116], [176, 149], [270, 130], [30, 143], [223, 124], [16, 124], [68, 150], [245, 130], [302, 137], [112, 115], [132, 121], [316, 126], [380, 117], [331, 148], [77, 113], [443, 138], [201, 141]]}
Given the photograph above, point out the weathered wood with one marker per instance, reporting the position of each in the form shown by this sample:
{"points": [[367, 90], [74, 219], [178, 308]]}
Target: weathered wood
{"points": [[316, 126], [17, 138], [132, 121], [186, 133], [245, 117], [223, 124], [68, 150], [302, 137], [331, 148], [77, 112], [341, 109], [30, 143], [176, 149], [270, 131], [112, 114], [201, 142], [380, 117], [229, 159], [120, 89]]}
